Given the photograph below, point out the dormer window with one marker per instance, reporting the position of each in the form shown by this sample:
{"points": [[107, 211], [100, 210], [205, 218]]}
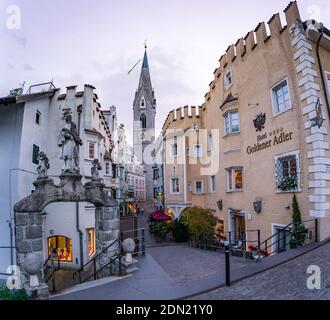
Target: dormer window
{"points": [[228, 79]]}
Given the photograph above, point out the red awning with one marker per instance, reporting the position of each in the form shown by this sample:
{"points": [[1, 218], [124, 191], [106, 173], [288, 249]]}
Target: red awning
{"points": [[160, 216]]}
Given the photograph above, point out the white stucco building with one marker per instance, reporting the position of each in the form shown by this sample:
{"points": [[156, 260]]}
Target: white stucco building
{"points": [[30, 123]]}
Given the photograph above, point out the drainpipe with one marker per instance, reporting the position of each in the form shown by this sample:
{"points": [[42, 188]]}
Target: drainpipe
{"points": [[322, 71], [79, 110]]}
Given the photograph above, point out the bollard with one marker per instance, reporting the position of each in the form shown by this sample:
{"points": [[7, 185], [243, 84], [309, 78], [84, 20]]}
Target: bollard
{"points": [[227, 257]]}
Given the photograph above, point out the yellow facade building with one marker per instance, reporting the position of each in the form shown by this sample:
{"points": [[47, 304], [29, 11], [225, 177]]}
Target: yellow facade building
{"points": [[261, 135]]}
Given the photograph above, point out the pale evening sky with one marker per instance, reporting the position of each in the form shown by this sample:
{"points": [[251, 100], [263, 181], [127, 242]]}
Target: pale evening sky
{"points": [[97, 42]]}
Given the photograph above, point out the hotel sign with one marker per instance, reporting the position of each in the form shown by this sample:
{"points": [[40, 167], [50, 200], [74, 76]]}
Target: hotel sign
{"points": [[266, 141]]}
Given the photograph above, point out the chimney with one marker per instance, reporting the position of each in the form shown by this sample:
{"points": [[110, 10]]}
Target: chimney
{"points": [[70, 101], [193, 111], [292, 13], [185, 112]]}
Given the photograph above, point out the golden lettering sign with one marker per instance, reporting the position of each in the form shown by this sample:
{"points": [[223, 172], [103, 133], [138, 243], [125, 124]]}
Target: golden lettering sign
{"points": [[278, 139]]}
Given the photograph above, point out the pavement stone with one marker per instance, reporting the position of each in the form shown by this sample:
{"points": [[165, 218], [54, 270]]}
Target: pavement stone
{"points": [[285, 282]]}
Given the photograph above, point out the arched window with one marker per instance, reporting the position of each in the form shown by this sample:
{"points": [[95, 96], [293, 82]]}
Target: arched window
{"points": [[142, 102], [143, 121], [60, 246]]}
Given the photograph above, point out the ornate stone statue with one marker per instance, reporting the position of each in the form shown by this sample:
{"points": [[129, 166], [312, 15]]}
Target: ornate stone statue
{"points": [[43, 165], [95, 170], [69, 141]]}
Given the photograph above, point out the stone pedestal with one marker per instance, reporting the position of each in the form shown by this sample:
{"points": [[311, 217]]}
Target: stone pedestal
{"points": [[40, 293], [129, 267]]}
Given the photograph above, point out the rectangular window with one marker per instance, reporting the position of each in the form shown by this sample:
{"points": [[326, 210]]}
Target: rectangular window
{"points": [[232, 122], [234, 179], [38, 115], [287, 173], [91, 150], [199, 186], [156, 174], [228, 80], [212, 184], [328, 82], [175, 185], [198, 153], [35, 154], [107, 168], [281, 97], [174, 149]]}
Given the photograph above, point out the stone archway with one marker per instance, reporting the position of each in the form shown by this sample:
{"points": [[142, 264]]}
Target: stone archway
{"points": [[28, 221]]}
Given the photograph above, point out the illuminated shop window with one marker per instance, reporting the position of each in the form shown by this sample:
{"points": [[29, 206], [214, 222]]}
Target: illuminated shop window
{"points": [[62, 247], [91, 241]]}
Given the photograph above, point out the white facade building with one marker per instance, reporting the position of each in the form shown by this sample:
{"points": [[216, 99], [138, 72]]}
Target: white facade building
{"points": [[29, 124]]}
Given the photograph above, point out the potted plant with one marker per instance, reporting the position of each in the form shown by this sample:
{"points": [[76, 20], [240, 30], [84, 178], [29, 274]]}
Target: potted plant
{"points": [[298, 231], [159, 230]]}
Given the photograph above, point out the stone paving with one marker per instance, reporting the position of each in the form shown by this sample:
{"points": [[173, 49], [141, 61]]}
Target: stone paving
{"points": [[285, 282], [185, 264]]}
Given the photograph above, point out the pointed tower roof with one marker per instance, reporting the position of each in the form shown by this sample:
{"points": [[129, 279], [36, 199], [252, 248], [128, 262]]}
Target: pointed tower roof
{"points": [[145, 64], [145, 86]]}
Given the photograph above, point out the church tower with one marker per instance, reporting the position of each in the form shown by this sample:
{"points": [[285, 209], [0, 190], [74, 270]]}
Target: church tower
{"points": [[144, 108]]}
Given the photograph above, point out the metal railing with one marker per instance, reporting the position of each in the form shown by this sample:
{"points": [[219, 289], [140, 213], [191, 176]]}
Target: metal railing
{"points": [[93, 264], [238, 245], [51, 258], [293, 235], [138, 235]]}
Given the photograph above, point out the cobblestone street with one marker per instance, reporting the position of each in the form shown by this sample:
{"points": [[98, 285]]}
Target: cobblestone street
{"points": [[285, 282]]}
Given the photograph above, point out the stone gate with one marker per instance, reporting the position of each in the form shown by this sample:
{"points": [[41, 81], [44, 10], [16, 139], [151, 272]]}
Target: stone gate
{"points": [[28, 222]]}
